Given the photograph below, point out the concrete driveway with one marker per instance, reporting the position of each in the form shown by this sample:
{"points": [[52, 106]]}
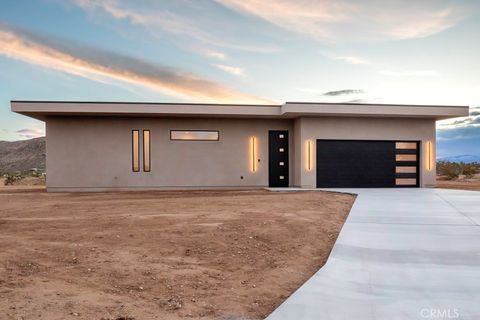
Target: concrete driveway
{"points": [[402, 254]]}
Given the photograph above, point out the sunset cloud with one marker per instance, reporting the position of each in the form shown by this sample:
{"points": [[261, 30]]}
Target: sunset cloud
{"points": [[104, 66], [157, 22], [354, 20], [216, 55], [237, 71], [433, 22]]}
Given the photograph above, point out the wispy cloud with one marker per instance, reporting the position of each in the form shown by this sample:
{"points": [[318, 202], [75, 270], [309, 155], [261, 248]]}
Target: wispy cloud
{"points": [[354, 20], [113, 8], [343, 92], [408, 73], [157, 22], [216, 55], [297, 15], [352, 60], [104, 66], [434, 22], [358, 101], [237, 71], [30, 133], [472, 121]]}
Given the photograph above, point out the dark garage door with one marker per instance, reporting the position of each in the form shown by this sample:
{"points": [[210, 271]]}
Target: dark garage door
{"points": [[366, 164]]}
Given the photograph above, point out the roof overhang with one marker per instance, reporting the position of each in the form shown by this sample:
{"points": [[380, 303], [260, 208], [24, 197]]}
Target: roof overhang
{"points": [[42, 109], [297, 109]]}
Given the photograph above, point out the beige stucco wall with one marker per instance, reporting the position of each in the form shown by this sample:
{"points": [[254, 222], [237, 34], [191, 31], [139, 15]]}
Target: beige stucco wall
{"points": [[308, 128], [94, 153]]}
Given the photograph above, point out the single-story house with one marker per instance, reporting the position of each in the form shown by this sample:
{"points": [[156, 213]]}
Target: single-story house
{"points": [[97, 146]]}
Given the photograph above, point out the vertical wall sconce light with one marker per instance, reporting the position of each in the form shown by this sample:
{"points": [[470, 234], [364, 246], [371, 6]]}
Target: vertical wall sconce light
{"points": [[429, 155], [308, 155], [253, 154]]}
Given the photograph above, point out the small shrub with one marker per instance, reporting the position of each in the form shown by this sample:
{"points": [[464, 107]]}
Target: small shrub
{"points": [[450, 170], [10, 179], [469, 170], [36, 173]]}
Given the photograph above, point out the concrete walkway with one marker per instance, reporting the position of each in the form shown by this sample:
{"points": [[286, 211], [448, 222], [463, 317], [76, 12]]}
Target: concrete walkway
{"points": [[402, 254]]}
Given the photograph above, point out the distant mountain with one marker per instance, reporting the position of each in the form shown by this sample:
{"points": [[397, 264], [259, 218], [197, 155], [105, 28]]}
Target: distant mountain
{"points": [[22, 155], [467, 158]]}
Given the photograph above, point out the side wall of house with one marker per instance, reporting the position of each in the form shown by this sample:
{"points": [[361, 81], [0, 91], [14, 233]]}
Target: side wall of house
{"points": [[396, 129], [95, 153]]}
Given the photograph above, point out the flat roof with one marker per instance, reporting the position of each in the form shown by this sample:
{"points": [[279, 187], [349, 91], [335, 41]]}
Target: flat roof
{"points": [[42, 109]]}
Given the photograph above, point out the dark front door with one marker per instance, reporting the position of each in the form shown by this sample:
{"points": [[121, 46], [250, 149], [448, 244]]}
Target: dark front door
{"points": [[277, 158], [367, 164]]}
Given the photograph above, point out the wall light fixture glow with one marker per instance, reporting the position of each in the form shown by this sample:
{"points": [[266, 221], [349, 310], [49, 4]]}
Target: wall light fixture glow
{"points": [[429, 155], [253, 154], [308, 155]]}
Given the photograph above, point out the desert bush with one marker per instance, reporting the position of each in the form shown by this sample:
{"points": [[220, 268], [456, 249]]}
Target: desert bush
{"points": [[10, 179], [450, 170], [37, 173], [469, 170]]}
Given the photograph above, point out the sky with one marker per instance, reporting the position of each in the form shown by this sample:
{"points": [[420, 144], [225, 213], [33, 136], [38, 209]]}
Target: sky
{"points": [[244, 51]]}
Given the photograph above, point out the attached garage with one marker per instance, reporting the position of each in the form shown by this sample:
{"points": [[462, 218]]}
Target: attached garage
{"points": [[367, 163]]}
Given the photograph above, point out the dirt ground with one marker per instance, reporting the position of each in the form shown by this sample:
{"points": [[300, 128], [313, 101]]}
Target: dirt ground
{"points": [[160, 255], [26, 184], [461, 183]]}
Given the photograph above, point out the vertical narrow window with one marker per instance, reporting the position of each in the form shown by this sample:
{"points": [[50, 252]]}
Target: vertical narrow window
{"points": [[146, 150], [135, 151]]}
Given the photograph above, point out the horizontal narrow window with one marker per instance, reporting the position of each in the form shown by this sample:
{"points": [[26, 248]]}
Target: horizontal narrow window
{"points": [[194, 135], [135, 151], [146, 150], [406, 169], [406, 157], [405, 181], [406, 145]]}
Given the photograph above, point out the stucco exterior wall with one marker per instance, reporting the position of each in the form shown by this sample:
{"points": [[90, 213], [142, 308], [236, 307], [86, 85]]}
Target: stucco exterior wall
{"points": [[95, 153], [310, 128], [297, 153]]}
